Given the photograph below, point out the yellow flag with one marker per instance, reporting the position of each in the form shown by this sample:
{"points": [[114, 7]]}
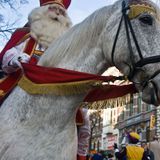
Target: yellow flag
{"points": [[152, 121]]}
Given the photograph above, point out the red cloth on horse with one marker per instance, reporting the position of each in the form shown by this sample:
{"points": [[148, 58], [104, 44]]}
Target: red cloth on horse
{"points": [[109, 92], [53, 76], [59, 75]]}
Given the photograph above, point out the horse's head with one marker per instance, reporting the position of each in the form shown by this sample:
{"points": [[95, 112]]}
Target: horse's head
{"points": [[136, 49]]}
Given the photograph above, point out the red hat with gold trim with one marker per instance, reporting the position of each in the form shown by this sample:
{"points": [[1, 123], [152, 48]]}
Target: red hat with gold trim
{"points": [[64, 3]]}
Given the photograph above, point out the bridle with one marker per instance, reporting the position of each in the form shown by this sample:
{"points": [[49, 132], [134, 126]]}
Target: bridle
{"points": [[134, 66]]}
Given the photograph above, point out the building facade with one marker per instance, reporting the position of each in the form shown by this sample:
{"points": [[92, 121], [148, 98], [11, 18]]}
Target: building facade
{"points": [[96, 124], [110, 134], [136, 117]]}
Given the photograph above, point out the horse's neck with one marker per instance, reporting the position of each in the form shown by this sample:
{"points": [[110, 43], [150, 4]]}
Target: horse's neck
{"points": [[80, 48]]}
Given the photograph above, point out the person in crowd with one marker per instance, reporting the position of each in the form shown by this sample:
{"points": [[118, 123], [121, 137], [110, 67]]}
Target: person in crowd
{"points": [[155, 147], [110, 156], [83, 135], [45, 24], [97, 156], [132, 151], [148, 153], [89, 156]]}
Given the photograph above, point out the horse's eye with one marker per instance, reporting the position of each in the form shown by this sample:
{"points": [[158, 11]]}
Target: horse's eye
{"points": [[147, 19]]}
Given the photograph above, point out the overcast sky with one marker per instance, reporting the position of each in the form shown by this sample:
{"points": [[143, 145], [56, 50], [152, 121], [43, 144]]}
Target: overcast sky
{"points": [[78, 10]]}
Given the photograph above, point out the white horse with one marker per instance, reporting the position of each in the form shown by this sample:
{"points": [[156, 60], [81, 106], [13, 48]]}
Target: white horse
{"points": [[42, 127]]}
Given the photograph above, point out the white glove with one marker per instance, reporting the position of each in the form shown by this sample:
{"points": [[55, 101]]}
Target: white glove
{"points": [[17, 59], [12, 61]]}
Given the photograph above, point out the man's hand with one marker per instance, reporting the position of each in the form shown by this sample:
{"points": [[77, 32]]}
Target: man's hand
{"points": [[12, 60], [17, 59]]}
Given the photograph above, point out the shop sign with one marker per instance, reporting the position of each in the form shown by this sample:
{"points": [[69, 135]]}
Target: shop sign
{"points": [[110, 141]]}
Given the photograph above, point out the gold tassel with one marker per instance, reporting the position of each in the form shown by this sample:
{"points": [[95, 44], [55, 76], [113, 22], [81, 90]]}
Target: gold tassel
{"points": [[104, 104]]}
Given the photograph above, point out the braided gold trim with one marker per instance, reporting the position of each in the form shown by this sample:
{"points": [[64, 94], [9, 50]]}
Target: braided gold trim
{"points": [[23, 38], [137, 9], [69, 88], [54, 2]]}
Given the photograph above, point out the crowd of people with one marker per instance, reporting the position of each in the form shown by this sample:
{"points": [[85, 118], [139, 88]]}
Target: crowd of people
{"points": [[131, 148]]}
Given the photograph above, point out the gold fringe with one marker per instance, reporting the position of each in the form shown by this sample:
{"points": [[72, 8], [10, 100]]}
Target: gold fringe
{"points": [[137, 9], [113, 102], [68, 88]]}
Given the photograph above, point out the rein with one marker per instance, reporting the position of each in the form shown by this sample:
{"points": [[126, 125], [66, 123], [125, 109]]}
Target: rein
{"points": [[135, 66]]}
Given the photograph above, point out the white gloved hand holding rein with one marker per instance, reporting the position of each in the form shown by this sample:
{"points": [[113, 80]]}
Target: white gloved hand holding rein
{"points": [[17, 59], [12, 60]]}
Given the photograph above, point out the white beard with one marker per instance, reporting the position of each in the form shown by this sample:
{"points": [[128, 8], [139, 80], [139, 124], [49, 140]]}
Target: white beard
{"points": [[46, 26]]}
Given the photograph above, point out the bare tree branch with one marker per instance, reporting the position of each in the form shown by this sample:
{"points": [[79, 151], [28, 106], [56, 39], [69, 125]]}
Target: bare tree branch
{"points": [[8, 26]]}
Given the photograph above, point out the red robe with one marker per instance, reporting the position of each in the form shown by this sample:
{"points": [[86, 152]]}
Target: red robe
{"points": [[10, 81]]}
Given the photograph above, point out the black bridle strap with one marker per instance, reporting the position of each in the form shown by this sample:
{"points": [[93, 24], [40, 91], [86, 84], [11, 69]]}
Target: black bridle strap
{"points": [[115, 41], [133, 35], [148, 60], [155, 74], [128, 39], [143, 61], [149, 79]]}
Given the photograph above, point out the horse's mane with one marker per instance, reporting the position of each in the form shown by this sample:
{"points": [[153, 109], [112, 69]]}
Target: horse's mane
{"points": [[77, 37]]}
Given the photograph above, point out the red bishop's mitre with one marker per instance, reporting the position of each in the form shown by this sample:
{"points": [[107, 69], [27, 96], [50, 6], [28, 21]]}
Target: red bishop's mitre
{"points": [[64, 3]]}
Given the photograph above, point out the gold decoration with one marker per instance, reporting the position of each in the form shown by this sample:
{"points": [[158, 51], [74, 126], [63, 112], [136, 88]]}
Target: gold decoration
{"points": [[69, 88], [72, 88], [104, 104], [37, 52], [137, 9]]}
